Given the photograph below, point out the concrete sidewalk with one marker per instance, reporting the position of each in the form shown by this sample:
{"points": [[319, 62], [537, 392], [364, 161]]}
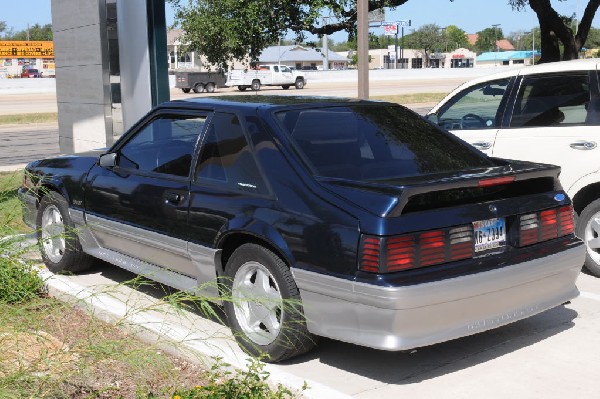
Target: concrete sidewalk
{"points": [[551, 355]]}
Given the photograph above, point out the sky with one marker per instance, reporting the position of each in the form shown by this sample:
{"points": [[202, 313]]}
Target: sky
{"points": [[470, 15]]}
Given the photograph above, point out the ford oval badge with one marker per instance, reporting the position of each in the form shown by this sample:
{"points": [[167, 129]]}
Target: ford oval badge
{"points": [[560, 197]]}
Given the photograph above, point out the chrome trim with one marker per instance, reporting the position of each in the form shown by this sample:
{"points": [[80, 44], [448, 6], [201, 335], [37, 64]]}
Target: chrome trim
{"points": [[400, 318], [148, 246], [155, 273], [583, 145]]}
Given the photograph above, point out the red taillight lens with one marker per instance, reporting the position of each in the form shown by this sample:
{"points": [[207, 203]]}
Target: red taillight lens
{"points": [[496, 181], [545, 225], [392, 254], [369, 261]]}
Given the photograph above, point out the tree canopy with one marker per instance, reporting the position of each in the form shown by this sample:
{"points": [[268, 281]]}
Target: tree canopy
{"points": [[224, 30], [36, 32], [487, 38], [555, 28]]}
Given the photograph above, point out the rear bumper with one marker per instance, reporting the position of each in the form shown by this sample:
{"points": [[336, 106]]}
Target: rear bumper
{"points": [[29, 205], [400, 318]]}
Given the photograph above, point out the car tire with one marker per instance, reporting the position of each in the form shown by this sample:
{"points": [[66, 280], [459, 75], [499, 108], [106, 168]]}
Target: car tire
{"points": [[198, 88], [285, 87], [186, 90], [255, 272], [242, 88], [299, 84], [588, 229], [209, 87], [57, 239], [255, 85]]}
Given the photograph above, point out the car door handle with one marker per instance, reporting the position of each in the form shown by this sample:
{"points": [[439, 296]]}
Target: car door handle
{"points": [[583, 145], [173, 198], [482, 145]]}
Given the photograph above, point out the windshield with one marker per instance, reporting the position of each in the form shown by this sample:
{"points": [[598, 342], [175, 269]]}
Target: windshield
{"points": [[372, 142]]}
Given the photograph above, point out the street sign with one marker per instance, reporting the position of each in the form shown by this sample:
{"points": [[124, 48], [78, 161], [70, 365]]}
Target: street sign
{"points": [[377, 15], [403, 23], [390, 30]]}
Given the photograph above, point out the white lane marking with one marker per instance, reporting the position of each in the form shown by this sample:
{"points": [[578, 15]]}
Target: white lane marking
{"points": [[590, 295]]}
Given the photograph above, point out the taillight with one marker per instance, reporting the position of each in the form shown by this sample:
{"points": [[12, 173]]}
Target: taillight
{"points": [[545, 225], [409, 251]]}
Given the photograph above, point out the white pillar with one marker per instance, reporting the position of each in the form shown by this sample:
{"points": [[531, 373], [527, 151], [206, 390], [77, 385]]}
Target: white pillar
{"points": [[134, 58]]}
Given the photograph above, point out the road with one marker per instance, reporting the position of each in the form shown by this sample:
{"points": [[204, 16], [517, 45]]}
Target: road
{"points": [[46, 102], [20, 144]]}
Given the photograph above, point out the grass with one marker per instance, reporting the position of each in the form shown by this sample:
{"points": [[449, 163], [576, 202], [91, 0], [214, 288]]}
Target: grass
{"points": [[52, 349], [29, 118], [412, 98], [10, 208]]}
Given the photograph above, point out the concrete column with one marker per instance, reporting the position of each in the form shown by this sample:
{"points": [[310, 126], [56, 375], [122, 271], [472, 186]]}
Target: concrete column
{"points": [[82, 75], [144, 71]]}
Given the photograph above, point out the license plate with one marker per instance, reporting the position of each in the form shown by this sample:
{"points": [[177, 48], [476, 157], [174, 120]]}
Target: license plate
{"points": [[489, 234]]}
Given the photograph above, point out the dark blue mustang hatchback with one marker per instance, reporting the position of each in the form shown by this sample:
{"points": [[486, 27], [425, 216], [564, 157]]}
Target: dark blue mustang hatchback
{"points": [[354, 220]]}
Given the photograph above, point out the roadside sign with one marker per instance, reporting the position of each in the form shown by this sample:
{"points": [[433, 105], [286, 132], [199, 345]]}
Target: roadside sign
{"points": [[390, 30], [26, 49]]}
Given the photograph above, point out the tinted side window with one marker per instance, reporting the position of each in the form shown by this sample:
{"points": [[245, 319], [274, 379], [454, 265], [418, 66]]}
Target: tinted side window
{"points": [[552, 100], [164, 145], [475, 108], [375, 142], [226, 156]]}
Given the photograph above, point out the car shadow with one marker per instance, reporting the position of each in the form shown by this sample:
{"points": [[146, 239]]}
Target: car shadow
{"points": [[208, 310], [398, 368], [414, 366]]}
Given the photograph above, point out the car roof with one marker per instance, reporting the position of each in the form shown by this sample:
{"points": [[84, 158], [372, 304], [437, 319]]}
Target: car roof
{"points": [[261, 101]]}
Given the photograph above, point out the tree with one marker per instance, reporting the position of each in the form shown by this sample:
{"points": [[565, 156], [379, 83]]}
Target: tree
{"points": [[226, 30], [2, 26], [36, 32], [429, 38], [556, 28], [455, 37], [487, 38]]}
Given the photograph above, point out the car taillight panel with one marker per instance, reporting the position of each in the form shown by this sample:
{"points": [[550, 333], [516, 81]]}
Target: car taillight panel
{"points": [[409, 251], [545, 225], [380, 254]]}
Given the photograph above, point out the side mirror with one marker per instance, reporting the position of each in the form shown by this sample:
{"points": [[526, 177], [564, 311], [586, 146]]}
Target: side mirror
{"points": [[108, 160], [433, 118]]}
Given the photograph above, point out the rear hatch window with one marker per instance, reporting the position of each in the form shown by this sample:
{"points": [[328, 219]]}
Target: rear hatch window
{"points": [[375, 142]]}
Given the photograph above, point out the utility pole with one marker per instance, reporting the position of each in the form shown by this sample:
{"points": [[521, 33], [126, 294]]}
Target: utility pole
{"points": [[363, 48], [496, 40]]}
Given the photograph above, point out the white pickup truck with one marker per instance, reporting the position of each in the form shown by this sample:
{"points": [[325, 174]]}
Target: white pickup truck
{"points": [[265, 75]]}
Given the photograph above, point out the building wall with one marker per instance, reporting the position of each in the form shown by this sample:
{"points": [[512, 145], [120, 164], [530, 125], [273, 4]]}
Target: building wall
{"points": [[82, 79]]}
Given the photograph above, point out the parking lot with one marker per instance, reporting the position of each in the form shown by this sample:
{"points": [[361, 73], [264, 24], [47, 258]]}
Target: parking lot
{"points": [[552, 355]]}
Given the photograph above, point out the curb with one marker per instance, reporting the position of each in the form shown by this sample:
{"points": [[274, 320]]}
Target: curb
{"points": [[174, 338]]}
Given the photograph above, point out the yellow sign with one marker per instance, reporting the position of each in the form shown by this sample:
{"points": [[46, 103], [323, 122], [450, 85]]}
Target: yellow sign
{"points": [[26, 49]]}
